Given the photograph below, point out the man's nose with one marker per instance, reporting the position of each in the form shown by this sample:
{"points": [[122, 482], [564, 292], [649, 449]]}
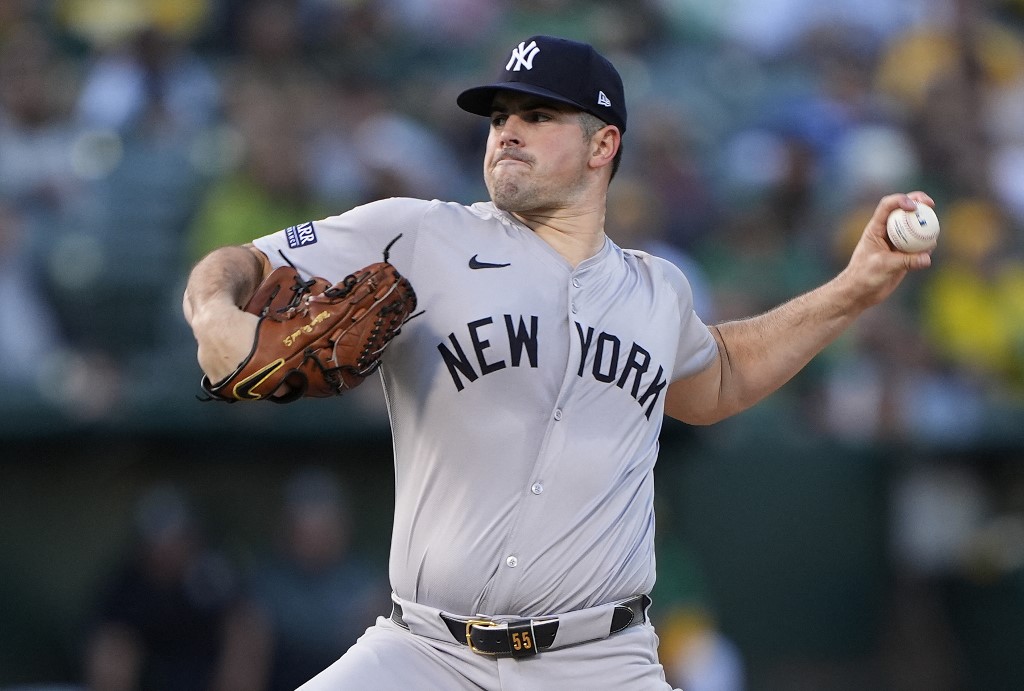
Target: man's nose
{"points": [[512, 131]]}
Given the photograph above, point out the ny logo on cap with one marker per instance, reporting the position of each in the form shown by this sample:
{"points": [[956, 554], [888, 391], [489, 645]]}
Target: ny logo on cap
{"points": [[522, 56]]}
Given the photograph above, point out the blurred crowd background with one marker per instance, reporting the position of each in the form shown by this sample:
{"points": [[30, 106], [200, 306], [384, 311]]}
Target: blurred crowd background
{"points": [[862, 529]]}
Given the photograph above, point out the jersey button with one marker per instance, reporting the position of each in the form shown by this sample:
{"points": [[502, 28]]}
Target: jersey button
{"points": [[512, 562], [573, 308], [576, 283], [558, 414], [537, 488]]}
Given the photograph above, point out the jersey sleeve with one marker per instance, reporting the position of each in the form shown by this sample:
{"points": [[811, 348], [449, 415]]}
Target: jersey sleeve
{"points": [[338, 245], [697, 347]]}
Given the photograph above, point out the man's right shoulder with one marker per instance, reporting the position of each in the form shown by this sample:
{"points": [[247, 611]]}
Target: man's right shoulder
{"points": [[434, 210], [410, 206], [417, 204]]}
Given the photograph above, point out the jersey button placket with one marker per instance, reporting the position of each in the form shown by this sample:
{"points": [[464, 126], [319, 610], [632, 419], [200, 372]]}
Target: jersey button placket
{"points": [[573, 308], [574, 299]]}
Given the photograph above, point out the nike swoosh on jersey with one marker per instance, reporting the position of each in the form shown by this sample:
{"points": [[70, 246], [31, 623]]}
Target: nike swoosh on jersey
{"points": [[475, 263]]}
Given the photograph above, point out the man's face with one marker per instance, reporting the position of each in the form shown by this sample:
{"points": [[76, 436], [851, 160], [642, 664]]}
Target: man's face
{"points": [[536, 156]]}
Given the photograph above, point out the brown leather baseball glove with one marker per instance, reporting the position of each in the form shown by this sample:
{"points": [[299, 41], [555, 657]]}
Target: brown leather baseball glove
{"points": [[317, 339]]}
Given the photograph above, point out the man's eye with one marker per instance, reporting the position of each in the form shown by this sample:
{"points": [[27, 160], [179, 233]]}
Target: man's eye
{"points": [[498, 120]]}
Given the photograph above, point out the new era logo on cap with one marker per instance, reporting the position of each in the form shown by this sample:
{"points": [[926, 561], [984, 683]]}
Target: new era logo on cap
{"points": [[559, 69]]}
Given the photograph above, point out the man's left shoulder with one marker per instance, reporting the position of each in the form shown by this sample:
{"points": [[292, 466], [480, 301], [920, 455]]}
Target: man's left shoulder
{"points": [[653, 264]]}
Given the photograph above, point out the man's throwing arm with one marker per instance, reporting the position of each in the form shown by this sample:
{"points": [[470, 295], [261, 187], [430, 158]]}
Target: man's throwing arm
{"points": [[758, 355]]}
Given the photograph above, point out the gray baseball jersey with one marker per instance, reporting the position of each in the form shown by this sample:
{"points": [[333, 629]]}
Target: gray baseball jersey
{"points": [[525, 402]]}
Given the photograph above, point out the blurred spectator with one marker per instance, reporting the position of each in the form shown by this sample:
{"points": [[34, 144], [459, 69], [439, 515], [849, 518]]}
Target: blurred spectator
{"points": [[404, 158], [958, 548], [143, 72], [29, 334], [753, 261], [269, 42], [637, 220], [952, 82], [151, 81], [317, 594], [169, 618], [664, 159], [464, 22], [696, 654], [270, 190], [771, 28], [37, 88], [271, 62], [884, 384], [973, 302]]}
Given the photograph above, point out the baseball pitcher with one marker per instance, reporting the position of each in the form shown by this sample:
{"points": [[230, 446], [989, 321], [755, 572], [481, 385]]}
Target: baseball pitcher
{"points": [[527, 394]]}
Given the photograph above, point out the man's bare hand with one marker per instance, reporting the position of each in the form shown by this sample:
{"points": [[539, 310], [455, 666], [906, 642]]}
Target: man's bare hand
{"points": [[225, 335], [217, 287], [876, 268]]}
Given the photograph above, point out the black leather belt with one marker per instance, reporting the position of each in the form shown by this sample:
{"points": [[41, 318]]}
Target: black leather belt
{"points": [[524, 637]]}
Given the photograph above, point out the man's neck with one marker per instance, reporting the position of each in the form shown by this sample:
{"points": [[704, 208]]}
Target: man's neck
{"points": [[575, 237]]}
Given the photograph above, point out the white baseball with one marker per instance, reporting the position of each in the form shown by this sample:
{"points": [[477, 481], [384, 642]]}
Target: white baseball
{"points": [[913, 231]]}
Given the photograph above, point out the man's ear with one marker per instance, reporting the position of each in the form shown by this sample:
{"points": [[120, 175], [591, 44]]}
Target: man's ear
{"points": [[604, 145]]}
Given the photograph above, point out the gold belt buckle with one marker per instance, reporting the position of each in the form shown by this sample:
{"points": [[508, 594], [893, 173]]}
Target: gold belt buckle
{"points": [[486, 623]]}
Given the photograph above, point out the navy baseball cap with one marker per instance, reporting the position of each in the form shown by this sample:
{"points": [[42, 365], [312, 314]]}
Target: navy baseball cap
{"points": [[558, 69]]}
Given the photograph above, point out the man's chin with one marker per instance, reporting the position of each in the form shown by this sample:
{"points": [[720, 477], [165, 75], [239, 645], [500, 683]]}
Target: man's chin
{"points": [[507, 199], [510, 207]]}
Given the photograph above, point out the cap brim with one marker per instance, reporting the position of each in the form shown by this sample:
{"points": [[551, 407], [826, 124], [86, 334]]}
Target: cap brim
{"points": [[480, 100]]}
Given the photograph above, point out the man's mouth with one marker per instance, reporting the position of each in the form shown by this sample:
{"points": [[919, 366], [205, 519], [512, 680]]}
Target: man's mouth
{"points": [[513, 156]]}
